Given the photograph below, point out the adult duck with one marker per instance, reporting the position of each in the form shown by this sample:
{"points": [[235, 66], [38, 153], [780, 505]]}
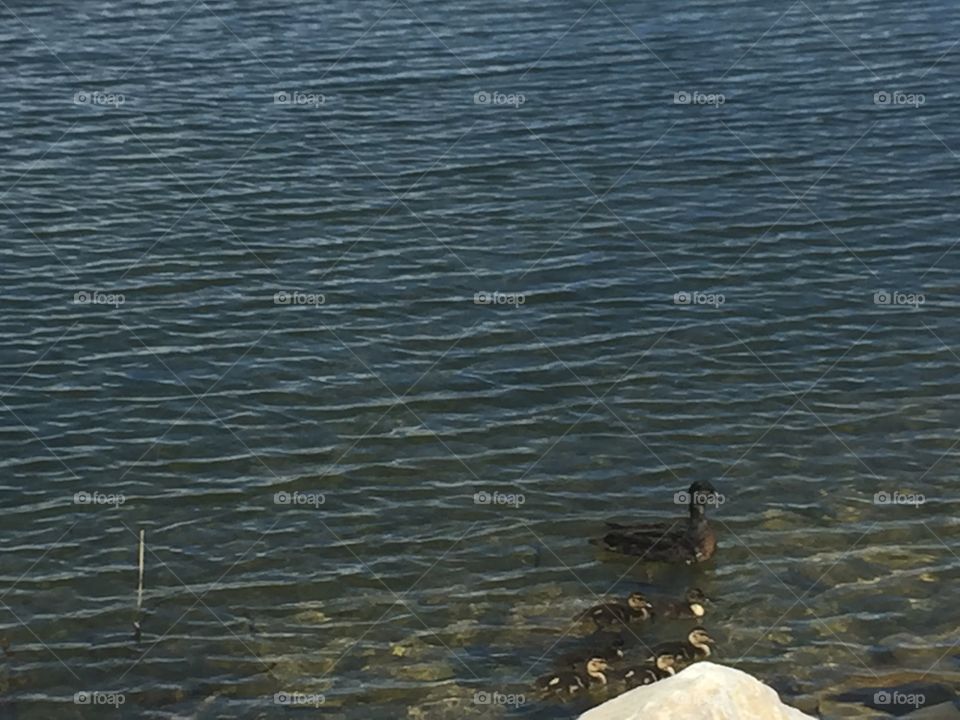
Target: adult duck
{"points": [[686, 540]]}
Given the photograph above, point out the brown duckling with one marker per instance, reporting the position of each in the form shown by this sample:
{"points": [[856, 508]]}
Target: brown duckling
{"points": [[695, 647], [663, 667], [694, 606], [637, 607], [572, 682]]}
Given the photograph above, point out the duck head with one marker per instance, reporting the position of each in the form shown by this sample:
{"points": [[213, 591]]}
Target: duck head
{"points": [[595, 668], [639, 604], [696, 601], [701, 494], [700, 639], [666, 662]]}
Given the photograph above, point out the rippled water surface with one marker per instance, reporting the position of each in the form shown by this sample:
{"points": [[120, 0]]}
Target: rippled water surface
{"points": [[241, 247]]}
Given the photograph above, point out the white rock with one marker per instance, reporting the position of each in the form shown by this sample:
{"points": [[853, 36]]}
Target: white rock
{"points": [[703, 691]]}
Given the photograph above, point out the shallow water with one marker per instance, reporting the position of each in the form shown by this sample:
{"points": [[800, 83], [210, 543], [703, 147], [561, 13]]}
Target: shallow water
{"points": [[144, 156]]}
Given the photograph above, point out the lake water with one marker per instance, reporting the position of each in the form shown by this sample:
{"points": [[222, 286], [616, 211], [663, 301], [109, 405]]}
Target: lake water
{"points": [[242, 251]]}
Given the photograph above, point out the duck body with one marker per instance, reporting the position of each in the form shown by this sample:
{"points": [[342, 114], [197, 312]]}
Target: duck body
{"points": [[572, 682], [690, 540], [612, 613], [692, 608], [637, 676], [683, 653], [617, 613], [566, 683], [695, 647], [683, 611], [662, 667]]}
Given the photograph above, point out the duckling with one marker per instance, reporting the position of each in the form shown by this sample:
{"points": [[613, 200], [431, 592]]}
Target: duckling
{"points": [[637, 607], [695, 647], [663, 667], [694, 606], [689, 540], [570, 682]]}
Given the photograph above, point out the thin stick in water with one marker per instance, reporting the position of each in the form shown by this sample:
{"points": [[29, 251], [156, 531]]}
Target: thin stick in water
{"points": [[136, 622], [140, 584]]}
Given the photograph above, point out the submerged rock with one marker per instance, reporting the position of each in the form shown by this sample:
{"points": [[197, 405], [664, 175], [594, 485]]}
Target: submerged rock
{"points": [[900, 698], [704, 691], [943, 711], [908, 650]]}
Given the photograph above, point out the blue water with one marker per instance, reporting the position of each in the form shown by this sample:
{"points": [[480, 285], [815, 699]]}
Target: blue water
{"points": [[242, 251]]}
